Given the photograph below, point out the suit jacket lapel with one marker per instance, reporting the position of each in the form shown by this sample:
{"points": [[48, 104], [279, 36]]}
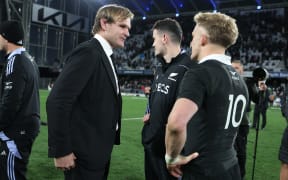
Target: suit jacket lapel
{"points": [[106, 63], [110, 71]]}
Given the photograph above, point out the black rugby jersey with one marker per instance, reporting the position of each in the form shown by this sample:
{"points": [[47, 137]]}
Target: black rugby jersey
{"points": [[222, 97], [162, 98]]}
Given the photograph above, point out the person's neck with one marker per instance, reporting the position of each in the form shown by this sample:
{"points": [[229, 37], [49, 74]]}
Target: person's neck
{"points": [[11, 47], [211, 49], [172, 52]]}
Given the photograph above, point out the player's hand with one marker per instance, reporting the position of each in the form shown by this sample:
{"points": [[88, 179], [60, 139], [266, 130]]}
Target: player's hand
{"points": [[66, 162], [146, 118], [175, 167]]}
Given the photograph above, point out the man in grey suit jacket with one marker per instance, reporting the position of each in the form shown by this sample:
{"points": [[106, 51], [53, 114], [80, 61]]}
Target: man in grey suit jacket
{"points": [[84, 106]]}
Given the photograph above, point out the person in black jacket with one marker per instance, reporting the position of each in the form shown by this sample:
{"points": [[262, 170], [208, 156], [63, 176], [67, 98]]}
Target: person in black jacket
{"points": [[19, 103], [167, 35], [261, 104], [283, 150], [84, 106], [241, 138]]}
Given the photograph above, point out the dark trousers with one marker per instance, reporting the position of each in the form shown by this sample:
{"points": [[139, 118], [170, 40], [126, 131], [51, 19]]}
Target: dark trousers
{"points": [[240, 147], [155, 167], [283, 150], [13, 166], [82, 172], [231, 174], [256, 118]]}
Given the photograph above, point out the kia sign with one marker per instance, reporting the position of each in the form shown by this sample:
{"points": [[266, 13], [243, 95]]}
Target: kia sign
{"points": [[54, 17]]}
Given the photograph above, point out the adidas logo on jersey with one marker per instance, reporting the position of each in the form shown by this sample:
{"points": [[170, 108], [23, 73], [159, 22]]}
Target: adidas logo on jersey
{"points": [[234, 75], [172, 75], [3, 153]]}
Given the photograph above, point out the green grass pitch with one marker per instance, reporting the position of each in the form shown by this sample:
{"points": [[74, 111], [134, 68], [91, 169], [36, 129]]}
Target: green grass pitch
{"points": [[127, 159]]}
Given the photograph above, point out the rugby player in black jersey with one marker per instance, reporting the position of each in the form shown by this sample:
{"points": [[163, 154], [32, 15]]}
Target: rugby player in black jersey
{"points": [[211, 103], [167, 35]]}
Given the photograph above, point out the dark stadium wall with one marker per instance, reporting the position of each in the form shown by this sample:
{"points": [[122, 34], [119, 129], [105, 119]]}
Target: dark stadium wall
{"points": [[3, 10], [3, 17]]}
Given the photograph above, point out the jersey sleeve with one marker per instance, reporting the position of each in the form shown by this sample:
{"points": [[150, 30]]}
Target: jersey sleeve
{"points": [[12, 91], [193, 86]]}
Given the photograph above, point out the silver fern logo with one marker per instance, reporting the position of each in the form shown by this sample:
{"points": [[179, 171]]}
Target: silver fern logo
{"points": [[172, 76]]}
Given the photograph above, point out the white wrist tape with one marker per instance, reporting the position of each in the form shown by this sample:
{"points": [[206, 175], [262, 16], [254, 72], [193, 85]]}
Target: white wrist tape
{"points": [[171, 160]]}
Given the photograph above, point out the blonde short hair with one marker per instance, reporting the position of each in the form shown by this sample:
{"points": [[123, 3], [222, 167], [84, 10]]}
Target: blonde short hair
{"points": [[112, 13], [221, 28]]}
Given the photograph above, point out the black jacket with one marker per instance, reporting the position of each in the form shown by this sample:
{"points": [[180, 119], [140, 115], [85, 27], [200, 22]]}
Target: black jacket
{"points": [[162, 98], [83, 108], [19, 96]]}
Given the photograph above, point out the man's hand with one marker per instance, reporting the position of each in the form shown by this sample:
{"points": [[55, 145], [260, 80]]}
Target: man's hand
{"points": [[66, 162], [175, 166], [146, 117]]}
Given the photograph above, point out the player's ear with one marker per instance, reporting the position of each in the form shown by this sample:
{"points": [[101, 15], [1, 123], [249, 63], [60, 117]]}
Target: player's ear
{"points": [[164, 38], [103, 23], [204, 39]]}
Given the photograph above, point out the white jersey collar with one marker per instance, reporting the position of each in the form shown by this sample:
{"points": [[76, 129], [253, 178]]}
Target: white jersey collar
{"points": [[217, 57], [16, 51]]}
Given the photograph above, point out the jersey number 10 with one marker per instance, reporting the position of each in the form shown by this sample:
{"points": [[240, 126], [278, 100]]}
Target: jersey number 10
{"points": [[232, 110]]}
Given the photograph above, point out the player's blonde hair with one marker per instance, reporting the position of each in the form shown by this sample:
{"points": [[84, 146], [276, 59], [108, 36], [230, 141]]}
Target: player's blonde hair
{"points": [[221, 28]]}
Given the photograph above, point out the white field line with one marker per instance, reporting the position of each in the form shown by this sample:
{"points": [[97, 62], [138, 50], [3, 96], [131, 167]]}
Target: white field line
{"points": [[127, 119]]}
